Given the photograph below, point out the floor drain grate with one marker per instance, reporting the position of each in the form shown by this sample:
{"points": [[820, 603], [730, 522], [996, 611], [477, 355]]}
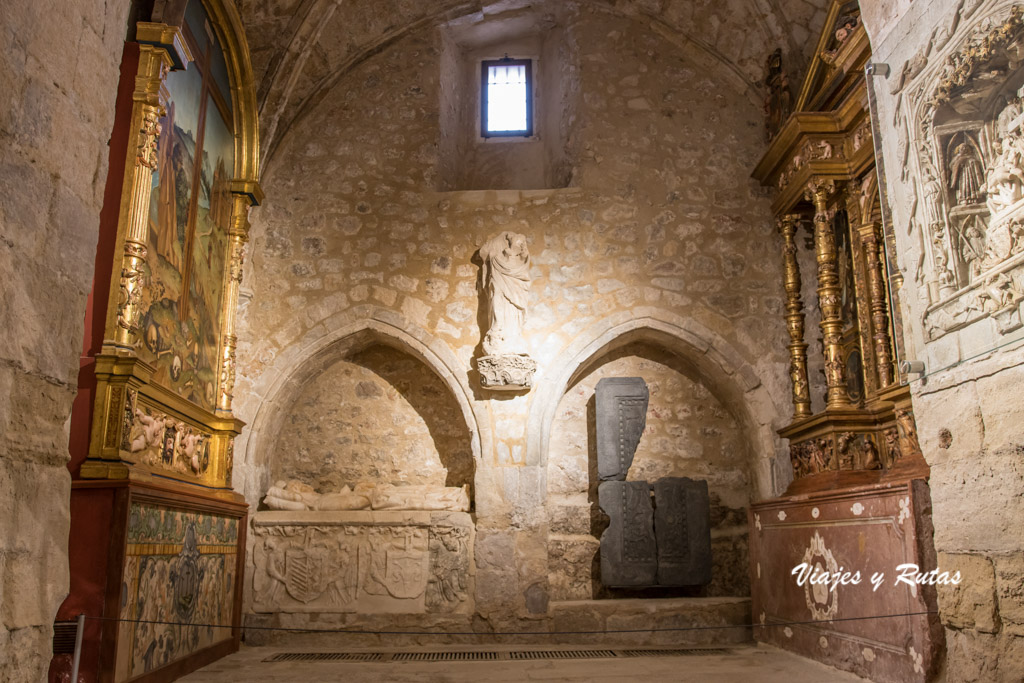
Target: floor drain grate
{"points": [[444, 656], [326, 657], [488, 655], [561, 654], [675, 652]]}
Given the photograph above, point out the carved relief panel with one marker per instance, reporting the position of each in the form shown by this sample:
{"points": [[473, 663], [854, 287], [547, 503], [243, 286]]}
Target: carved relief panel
{"points": [[361, 561], [965, 109]]}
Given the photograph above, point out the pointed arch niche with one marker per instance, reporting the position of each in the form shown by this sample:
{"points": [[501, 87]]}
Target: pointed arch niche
{"points": [[692, 430], [369, 411]]}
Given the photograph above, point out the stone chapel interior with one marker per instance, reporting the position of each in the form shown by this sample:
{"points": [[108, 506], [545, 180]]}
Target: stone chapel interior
{"points": [[303, 328]]}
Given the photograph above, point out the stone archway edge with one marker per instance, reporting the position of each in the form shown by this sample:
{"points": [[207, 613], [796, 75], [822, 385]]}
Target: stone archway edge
{"points": [[725, 367]]}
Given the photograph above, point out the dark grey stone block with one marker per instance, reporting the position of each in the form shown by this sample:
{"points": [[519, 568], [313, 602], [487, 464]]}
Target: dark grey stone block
{"points": [[621, 407], [682, 527], [629, 553]]}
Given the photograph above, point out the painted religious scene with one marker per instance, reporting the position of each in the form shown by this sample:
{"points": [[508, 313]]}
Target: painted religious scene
{"points": [[190, 212], [180, 569]]}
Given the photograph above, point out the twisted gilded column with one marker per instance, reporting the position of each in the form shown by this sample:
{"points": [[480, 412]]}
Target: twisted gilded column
{"points": [[795, 317], [238, 235], [153, 65], [872, 241], [829, 295]]}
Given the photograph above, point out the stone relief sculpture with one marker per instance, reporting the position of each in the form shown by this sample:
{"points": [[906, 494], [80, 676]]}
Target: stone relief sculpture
{"points": [[297, 496], [506, 281], [156, 438], [966, 176], [367, 562], [449, 567], [962, 100]]}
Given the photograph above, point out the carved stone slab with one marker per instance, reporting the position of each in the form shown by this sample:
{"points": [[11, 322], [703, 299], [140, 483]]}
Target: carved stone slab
{"points": [[370, 562], [621, 407], [629, 553], [682, 528]]}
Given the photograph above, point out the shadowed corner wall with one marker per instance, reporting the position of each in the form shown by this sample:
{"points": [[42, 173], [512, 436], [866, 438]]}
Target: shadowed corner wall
{"points": [[59, 74]]}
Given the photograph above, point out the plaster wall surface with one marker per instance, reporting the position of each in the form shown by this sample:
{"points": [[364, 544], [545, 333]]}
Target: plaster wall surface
{"points": [[58, 74], [663, 238], [967, 408]]}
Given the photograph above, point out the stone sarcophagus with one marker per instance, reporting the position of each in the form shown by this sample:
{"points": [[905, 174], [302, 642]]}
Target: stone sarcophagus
{"points": [[660, 533], [363, 561]]}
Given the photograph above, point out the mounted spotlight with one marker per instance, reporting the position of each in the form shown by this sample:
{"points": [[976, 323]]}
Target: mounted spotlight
{"points": [[912, 367]]}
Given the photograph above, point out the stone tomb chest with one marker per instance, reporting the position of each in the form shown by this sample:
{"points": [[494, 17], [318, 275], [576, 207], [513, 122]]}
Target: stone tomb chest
{"points": [[365, 561]]}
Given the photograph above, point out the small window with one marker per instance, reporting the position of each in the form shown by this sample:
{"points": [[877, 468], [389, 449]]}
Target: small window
{"points": [[506, 98]]}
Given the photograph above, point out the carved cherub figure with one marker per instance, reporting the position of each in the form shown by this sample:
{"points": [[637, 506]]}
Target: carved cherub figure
{"points": [[152, 431]]}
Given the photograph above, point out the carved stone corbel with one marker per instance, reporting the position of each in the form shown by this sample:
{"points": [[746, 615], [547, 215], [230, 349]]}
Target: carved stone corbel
{"points": [[795, 317], [829, 294]]}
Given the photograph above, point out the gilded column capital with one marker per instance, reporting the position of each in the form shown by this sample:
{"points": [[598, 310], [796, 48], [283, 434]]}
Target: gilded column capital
{"points": [[819, 189]]}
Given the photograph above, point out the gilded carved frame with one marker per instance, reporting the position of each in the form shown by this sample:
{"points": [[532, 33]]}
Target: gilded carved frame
{"points": [[131, 411]]}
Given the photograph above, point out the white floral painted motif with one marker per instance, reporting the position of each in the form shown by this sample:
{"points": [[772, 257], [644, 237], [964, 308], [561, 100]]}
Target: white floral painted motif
{"points": [[782, 515], [904, 510], [823, 643], [815, 512], [762, 618], [856, 508], [868, 654], [918, 659], [788, 632], [757, 521], [822, 602]]}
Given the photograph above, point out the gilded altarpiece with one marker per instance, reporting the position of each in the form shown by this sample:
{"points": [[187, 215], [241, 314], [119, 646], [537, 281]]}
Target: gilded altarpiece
{"points": [[158, 362], [853, 439]]}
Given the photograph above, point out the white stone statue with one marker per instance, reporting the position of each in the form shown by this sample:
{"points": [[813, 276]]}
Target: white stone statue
{"points": [[294, 495], [506, 278], [506, 274], [421, 498]]}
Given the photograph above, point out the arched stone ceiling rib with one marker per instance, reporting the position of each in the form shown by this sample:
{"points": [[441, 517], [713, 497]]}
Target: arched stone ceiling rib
{"points": [[301, 47]]}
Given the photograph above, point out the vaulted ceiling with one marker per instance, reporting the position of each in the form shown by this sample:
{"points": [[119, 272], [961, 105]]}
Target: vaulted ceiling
{"points": [[301, 48]]}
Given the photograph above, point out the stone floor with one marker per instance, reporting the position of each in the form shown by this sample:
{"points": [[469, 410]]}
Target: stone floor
{"points": [[742, 664]]}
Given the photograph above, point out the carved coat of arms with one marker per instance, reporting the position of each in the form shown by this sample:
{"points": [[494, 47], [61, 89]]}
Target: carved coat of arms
{"points": [[305, 573]]}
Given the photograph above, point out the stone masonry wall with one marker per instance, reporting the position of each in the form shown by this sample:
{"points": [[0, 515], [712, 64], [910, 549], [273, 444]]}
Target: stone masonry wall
{"points": [[58, 76], [968, 410], [689, 433], [663, 233], [379, 416]]}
